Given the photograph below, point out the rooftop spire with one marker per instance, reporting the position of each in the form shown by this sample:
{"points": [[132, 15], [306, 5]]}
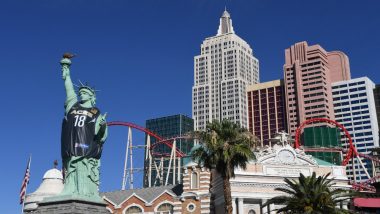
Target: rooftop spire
{"points": [[225, 23]]}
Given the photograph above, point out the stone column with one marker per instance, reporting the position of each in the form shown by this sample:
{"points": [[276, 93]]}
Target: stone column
{"points": [[234, 206], [271, 209], [345, 205], [264, 210], [240, 205]]}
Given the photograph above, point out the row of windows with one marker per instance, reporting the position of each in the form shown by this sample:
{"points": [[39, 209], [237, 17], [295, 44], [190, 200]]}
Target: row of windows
{"points": [[313, 89], [314, 73], [206, 50], [361, 134], [350, 84], [314, 94], [315, 112], [359, 128], [369, 139], [351, 90], [351, 96], [355, 123], [352, 102], [352, 109], [314, 107], [310, 64], [310, 69], [315, 100], [360, 112], [313, 78], [165, 208], [314, 83]]}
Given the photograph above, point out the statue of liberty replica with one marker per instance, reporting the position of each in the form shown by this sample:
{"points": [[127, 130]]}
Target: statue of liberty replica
{"points": [[84, 131]]}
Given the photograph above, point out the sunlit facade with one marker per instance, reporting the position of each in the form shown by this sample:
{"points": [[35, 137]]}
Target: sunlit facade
{"points": [[223, 70]]}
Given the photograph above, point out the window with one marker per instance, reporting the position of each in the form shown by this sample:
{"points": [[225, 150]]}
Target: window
{"points": [[191, 207], [194, 180], [251, 212], [133, 209], [165, 208]]}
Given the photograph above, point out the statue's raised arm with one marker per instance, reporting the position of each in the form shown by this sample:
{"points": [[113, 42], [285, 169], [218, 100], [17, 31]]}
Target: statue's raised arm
{"points": [[71, 96]]}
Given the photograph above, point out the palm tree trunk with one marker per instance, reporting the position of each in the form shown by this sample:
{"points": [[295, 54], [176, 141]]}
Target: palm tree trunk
{"points": [[227, 195]]}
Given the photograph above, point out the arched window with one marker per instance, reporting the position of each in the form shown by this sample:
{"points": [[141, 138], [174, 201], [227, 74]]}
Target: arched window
{"points": [[251, 212], [165, 208], [194, 180], [133, 209]]}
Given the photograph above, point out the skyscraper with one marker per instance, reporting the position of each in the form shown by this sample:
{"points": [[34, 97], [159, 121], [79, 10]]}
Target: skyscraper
{"points": [[354, 107], [308, 74], [168, 127], [266, 109], [223, 70]]}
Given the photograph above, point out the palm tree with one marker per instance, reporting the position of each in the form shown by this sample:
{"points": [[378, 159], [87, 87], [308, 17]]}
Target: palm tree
{"points": [[311, 195], [224, 146]]}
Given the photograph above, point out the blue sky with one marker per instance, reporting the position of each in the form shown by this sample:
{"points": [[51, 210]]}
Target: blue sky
{"points": [[140, 55]]}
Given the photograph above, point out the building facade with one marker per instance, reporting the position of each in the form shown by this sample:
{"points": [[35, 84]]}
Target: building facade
{"points": [[223, 70], [376, 94], [376, 154], [252, 187], [202, 190], [354, 107], [266, 109], [323, 137], [193, 196], [308, 74], [169, 127]]}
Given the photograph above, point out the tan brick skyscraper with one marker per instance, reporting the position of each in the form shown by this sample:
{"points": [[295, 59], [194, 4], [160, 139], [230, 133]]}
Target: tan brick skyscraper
{"points": [[308, 74]]}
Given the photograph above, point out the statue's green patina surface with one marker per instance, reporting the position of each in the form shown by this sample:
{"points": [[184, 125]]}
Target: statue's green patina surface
{"points": [[84, 131]]}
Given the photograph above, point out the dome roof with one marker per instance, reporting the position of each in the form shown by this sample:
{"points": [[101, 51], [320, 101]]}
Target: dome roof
{"points": [[52, 184], [53, 174]]}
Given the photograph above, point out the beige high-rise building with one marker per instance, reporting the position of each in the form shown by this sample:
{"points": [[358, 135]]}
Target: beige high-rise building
{"points": [[308, 74], [223, 70]]}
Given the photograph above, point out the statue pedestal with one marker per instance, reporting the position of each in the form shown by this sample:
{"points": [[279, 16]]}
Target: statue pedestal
{"points": [[71, 206]]}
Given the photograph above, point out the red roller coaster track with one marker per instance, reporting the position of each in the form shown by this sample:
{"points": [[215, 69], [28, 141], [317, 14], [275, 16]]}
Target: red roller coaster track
{"points": [[160, 139], [350, 152], [351, 149]]}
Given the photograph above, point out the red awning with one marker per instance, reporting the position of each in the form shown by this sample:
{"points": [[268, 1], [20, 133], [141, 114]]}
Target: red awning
{"points": [[367, 202]]}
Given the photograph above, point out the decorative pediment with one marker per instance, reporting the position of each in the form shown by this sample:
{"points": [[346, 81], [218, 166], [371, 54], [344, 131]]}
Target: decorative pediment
{"points": [[280, 154]]}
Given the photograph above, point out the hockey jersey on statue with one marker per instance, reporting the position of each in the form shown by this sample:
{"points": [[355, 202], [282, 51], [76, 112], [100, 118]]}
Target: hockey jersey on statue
{"points": [[78, 133]]}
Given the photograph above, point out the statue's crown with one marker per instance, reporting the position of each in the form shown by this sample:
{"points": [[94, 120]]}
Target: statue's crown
{"points": [[87, 87]]}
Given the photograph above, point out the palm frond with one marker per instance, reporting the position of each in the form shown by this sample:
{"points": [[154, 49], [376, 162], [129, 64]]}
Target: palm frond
{"points": [[311, 194]]}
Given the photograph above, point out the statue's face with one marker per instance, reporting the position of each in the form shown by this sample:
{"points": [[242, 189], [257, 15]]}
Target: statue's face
{"points": [[85, 95]]}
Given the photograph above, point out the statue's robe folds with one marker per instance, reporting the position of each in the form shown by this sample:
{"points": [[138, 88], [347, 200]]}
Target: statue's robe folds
{"points": [[81, 150]]}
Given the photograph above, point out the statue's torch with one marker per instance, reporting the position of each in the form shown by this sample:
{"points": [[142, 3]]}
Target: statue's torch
{"points": [[65, 63]]}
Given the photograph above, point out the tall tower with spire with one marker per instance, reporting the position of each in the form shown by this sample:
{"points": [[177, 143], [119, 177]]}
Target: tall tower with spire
{"points": [[222, 71], [225, 25]]}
